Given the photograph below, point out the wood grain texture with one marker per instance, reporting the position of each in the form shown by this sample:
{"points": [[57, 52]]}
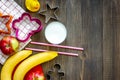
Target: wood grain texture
{"points": [[92, 24], [108, 38]]}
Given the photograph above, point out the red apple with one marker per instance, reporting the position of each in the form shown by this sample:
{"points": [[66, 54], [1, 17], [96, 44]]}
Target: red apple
{"points": [[9, 45], [36, 73]]}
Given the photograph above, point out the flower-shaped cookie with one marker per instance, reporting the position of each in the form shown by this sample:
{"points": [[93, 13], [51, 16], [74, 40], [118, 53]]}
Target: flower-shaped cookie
{"points": [[5, 21], [26, 26]]}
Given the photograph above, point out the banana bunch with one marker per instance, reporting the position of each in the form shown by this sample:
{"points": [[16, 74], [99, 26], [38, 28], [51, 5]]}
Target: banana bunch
{"points": [[25, 63], [11, 63]]}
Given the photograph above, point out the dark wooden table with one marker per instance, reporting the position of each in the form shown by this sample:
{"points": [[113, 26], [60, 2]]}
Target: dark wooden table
{"points": [[93, 25]]}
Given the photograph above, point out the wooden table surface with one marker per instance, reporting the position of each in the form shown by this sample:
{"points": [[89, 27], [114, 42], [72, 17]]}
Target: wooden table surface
{"points": [[91, 24]]}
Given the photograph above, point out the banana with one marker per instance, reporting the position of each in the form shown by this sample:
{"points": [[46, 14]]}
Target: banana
{"points": [[31, 62], [11, 62]]}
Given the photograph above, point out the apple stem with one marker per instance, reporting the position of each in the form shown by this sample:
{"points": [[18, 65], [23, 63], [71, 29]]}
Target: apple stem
{"points": [[37, 78]]}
